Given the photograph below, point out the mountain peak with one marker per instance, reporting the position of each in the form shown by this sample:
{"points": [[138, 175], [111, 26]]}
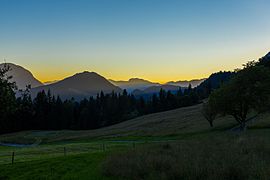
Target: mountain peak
{"points": [[21, 76], [81, 85], [134, 83], [137, 80], [87, 73]]}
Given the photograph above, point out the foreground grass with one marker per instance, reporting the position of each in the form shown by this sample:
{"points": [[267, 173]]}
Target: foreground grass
{"points": [[212, 155], [215, 156], [48, 151], [84, 166]]}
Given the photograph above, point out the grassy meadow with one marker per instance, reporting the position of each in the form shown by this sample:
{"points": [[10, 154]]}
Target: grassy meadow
{"points": [[177, 144]]}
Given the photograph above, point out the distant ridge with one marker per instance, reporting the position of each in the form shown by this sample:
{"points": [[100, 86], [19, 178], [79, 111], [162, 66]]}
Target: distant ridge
{"points": [[22, 76], [148, 92], [50, 82], [79, 86], [193, 83], [140, 86], [134, 83], [156, 89]]}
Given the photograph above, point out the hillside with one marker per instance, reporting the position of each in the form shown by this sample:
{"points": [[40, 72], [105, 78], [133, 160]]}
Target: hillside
{"points": [[178, 122], [22, 76], [79, 86], [174, 124], [170, 123]]}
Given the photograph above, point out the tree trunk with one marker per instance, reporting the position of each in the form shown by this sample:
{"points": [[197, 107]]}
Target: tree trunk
{"points": [[243, 126], [211, 123]]}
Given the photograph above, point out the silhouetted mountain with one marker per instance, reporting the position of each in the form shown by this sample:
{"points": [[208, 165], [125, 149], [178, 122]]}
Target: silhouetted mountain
{"points": [[133, 84], [141, 84], [193, 83], [79, 86], [214, 81], [148, 92], [156, 89], [22, 76]]}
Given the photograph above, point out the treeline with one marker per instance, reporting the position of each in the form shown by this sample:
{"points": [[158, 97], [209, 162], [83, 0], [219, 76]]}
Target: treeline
{"points": [[47, 112]]}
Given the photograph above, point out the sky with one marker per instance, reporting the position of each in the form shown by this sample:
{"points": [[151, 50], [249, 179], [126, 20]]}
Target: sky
{"points": [[158, 40]]}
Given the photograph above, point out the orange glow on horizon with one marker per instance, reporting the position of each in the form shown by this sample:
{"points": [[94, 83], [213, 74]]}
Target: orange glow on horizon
{"points": [[155, 71]]}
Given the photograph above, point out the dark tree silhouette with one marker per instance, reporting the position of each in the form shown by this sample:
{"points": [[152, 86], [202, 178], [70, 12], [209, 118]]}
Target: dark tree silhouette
{"points": [[248, 91], [7, 101]]}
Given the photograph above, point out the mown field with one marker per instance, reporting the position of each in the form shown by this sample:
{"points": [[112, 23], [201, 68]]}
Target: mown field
{"points": [[177, 144]]}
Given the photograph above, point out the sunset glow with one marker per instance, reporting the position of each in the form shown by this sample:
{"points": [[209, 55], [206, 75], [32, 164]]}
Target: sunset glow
{"points": [[155, 40]]}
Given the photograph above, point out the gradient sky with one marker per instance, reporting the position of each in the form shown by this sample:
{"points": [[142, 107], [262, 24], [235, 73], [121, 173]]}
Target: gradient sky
{"points": [[159, 40]]}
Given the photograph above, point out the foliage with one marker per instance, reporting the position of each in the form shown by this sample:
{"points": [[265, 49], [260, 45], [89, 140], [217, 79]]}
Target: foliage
{"points": [[264, 61], [248, 90], [7, 99]]}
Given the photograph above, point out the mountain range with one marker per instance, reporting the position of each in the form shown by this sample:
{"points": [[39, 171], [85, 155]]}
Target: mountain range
{"points": [[142, 85], [85, 84], [134, 84]]}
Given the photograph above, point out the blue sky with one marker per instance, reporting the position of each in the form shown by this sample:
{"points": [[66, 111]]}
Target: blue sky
{"points": [[159, 40]]}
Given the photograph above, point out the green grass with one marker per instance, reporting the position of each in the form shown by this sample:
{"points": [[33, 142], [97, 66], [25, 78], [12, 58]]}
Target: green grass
{"points": [[48, 151], [83, 166]]}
